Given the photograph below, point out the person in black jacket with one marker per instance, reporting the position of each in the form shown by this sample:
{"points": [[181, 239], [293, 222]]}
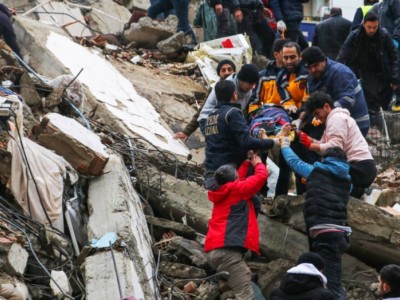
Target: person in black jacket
{"points": [[225, 26], [227, 134], [289, 15], [330, 34], [305, 281], [7, 30], [370, 52]]}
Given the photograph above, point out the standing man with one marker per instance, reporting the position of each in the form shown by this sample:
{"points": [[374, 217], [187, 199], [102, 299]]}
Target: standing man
{"points": [[389, 282], [181, 8], [341, 131], [370, 52], [224, 18], [330, 34], [389, 17], [325, 209], [225, 68], [250, 19], [7, 30], [289, 15], [233, 227], [339, 82]]}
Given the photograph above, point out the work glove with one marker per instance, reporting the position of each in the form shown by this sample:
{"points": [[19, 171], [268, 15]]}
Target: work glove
{"points": [[292, 109], [315, 122], [305, 140], [281, 26], [296, 124], [396, 43], [285, 141]]}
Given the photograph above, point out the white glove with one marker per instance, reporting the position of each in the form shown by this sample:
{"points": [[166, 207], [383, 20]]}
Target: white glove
{"points": [[285, 141], [292, 109], [297, 124], [281, 26]]}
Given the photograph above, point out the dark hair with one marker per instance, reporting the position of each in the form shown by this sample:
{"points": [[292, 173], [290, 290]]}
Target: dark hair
{"points": [[371, 16], [225, 173], [225, 62], [311, 258], [224, 90], [370, 2], [278, 44], [336, 11], [335, 152], [292, 45], [317, 100], [391, 275]]}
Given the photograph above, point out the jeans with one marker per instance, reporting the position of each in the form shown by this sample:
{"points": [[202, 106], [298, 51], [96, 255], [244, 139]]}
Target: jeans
{"points": [[331, 246], [164, 14], [182, 12]]}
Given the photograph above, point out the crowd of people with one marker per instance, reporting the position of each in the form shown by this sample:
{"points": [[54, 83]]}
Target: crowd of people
{"points": [[331, 93]]}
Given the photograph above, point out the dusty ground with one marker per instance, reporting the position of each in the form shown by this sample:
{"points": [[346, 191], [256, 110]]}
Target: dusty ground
{"points": [[175, 97]]}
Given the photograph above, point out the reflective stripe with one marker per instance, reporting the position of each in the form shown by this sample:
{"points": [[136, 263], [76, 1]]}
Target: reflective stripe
{"points": [[350, 100], [357, 89], [363, 118], [365, 9]]}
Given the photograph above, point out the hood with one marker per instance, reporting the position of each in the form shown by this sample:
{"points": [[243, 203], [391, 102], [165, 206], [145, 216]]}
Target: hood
{"points": [[220, 194], [338, 110], [335, 166], [308, 269], [4, 9]]}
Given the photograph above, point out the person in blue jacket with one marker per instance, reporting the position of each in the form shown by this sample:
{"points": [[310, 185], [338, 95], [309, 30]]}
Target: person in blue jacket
{"points": [[339, 82], [325, 210]]}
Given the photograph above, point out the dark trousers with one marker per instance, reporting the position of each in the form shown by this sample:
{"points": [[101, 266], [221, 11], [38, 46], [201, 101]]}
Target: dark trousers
{"points": [[362, 174], [254, 24], [377, 91], [293, 32], [331, 246], [182, 12]]}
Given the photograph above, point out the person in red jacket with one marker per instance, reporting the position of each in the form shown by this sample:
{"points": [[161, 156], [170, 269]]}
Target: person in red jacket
{"points": [[233, 228]]}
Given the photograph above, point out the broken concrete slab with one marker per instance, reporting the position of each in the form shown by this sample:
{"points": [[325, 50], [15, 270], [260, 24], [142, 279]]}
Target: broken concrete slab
{"points": [[108, 16], [272, 275], [162, 225], [135, 4], [62, 282], [115, 206], [69, 139], [28, 91], [101, 281], [13, 257], [182, 271], [147, 32], [190, 249], [173, 44]]}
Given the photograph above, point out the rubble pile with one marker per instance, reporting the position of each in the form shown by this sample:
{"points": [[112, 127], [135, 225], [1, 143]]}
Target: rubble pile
{"points": [[97, 201]]}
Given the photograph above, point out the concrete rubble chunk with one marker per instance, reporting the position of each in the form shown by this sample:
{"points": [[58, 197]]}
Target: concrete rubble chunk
{"points": [[207, 290], [108, 16], [62, 281], [273, 273], [28, 91], [173, 44], [147, 32], [13, 257], [114, 206], [162, 225], [182, 271], [191, 249], [78, 145]]}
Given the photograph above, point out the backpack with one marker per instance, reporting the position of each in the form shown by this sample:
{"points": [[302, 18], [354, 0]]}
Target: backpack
{"points": [[269, 117]]}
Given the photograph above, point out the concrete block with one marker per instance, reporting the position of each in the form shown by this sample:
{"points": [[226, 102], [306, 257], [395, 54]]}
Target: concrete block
{"points": [[78, 145], [115, 206], [147, 32], [173, 44], [62, 280]]}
